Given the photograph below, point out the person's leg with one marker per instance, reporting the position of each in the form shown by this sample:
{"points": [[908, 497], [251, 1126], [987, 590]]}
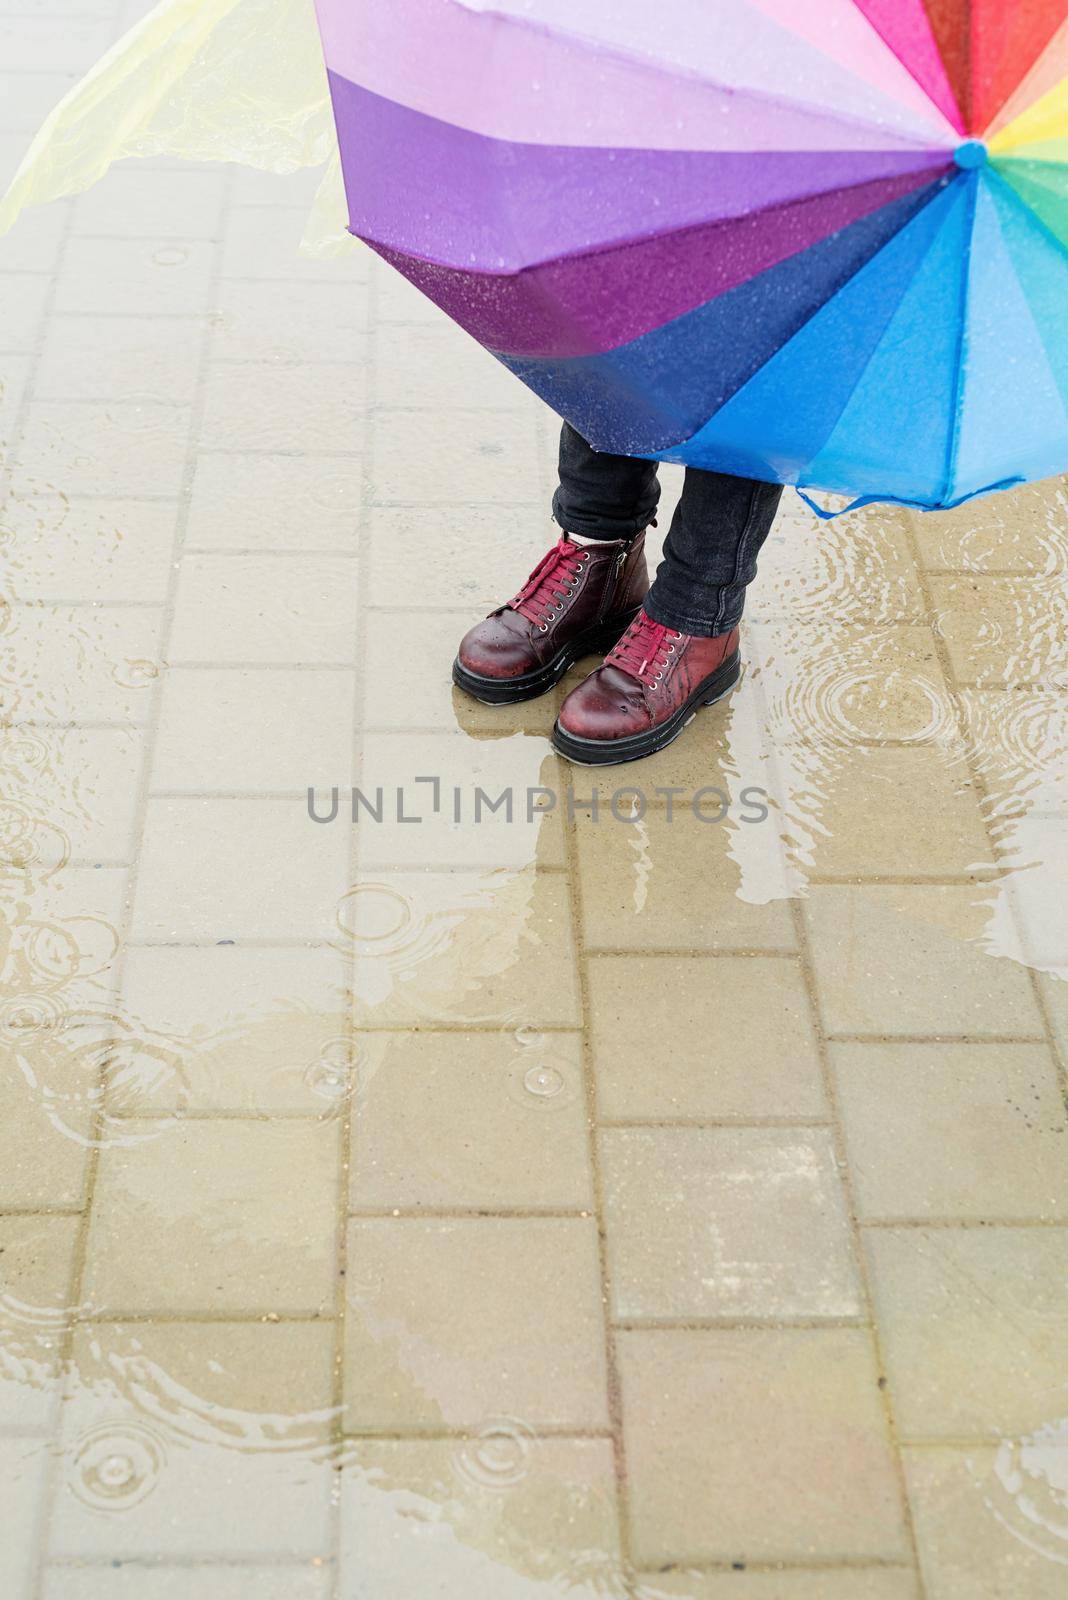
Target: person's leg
{"points": [[710, 552], [602, 496], [583, 592], [681, 652]]}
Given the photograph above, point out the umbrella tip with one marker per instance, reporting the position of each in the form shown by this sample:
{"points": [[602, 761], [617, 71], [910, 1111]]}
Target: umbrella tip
{"points": [[972, 153]]}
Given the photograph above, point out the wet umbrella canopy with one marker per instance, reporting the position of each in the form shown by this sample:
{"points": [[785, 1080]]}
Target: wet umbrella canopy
{"points": [[823, 244]]}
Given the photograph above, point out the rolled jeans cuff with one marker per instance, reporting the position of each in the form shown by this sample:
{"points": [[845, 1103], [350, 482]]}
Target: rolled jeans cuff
{"points": [[599, 527]]}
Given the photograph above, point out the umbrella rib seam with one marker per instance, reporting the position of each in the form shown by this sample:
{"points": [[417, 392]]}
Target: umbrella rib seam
{"points": [[1017, 199], [590, 251], [959, 386], [690, 74]]}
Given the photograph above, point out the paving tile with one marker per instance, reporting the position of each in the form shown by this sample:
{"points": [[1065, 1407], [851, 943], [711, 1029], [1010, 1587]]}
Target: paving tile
{"points": [[89, 551], [264, 871], [481, 555], [121, 448], [900, 812], [264, 242], [667, 882], [437, 364], [130, 203], [907, 959], [159, 1582], [953, 1130], [267, 729], [14, 382], [23, 1481], [51, 43], [726, 778], [833, 684], [720, 791], [989, 1523], [1054, 987], [36, 1267], [23, 304], [220, 1430], [227, 1028], [310, 406], [414, 657], [697, 1037], [492, 784], [259, 1236], [264, 502], [43, 1157], [26, 98], [62, 945], [529, 719], [71, 664], [422, 694], [265, 608], [1038, 887], [859, 569], [34, 245], [480, 1120], [1018, 740], [1021, 531], [972, 1322], [726, 1222], [275, 190], [523, 1342], [69, 793], [154, 359], [478, 949], [826, 1583], [425, 458], [290, 323], [778, 1447], [502, 1517], [1002, 630], [142, 277], [12, 149]]}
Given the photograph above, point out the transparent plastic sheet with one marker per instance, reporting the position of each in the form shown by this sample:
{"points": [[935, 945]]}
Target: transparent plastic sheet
{"points": [[198, 80]]}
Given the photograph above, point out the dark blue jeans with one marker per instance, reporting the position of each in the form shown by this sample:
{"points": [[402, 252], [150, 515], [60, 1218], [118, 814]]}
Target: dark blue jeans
{"points": [[711, 548]]}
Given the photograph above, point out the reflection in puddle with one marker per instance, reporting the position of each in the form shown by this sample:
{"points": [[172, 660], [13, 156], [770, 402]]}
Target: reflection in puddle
{"points": [[1032, 1489]]}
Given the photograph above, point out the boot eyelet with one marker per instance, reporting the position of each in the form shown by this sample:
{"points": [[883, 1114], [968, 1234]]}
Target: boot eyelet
{"points": [[543, 627]]}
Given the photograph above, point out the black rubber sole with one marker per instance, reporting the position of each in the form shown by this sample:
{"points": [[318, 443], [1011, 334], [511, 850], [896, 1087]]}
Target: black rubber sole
{"points": [[611, 752], [509, 691]]}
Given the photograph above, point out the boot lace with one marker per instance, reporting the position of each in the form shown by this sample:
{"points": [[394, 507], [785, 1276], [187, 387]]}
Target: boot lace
{"points": [[555, 578], [644, 650]]}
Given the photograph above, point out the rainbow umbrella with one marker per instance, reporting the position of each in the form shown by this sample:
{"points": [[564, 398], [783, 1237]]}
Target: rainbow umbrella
{"points": [[818, 243]]}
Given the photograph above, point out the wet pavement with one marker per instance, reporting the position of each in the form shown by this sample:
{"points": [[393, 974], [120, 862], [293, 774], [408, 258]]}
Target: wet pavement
{"points": [[651, 1184]]}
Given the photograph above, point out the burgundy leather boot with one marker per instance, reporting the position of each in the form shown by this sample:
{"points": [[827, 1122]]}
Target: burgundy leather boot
{"points": [[577, 601], [651, 685]]}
